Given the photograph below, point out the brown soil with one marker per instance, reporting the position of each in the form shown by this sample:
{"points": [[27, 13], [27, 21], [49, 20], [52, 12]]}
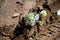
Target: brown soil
{"points": [[17, 28]]}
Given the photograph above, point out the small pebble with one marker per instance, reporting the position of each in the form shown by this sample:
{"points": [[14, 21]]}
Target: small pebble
{"points": [[58, 12], [15, 15], [30, 38]]}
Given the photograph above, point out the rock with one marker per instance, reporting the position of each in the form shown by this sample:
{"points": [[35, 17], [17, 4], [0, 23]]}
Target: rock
{"points": [[15, 15], [58, 12], [30, 38]]}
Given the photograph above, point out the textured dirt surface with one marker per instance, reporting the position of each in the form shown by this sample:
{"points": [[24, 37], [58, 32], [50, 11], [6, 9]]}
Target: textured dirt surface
{"points": [[17, 29]]}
